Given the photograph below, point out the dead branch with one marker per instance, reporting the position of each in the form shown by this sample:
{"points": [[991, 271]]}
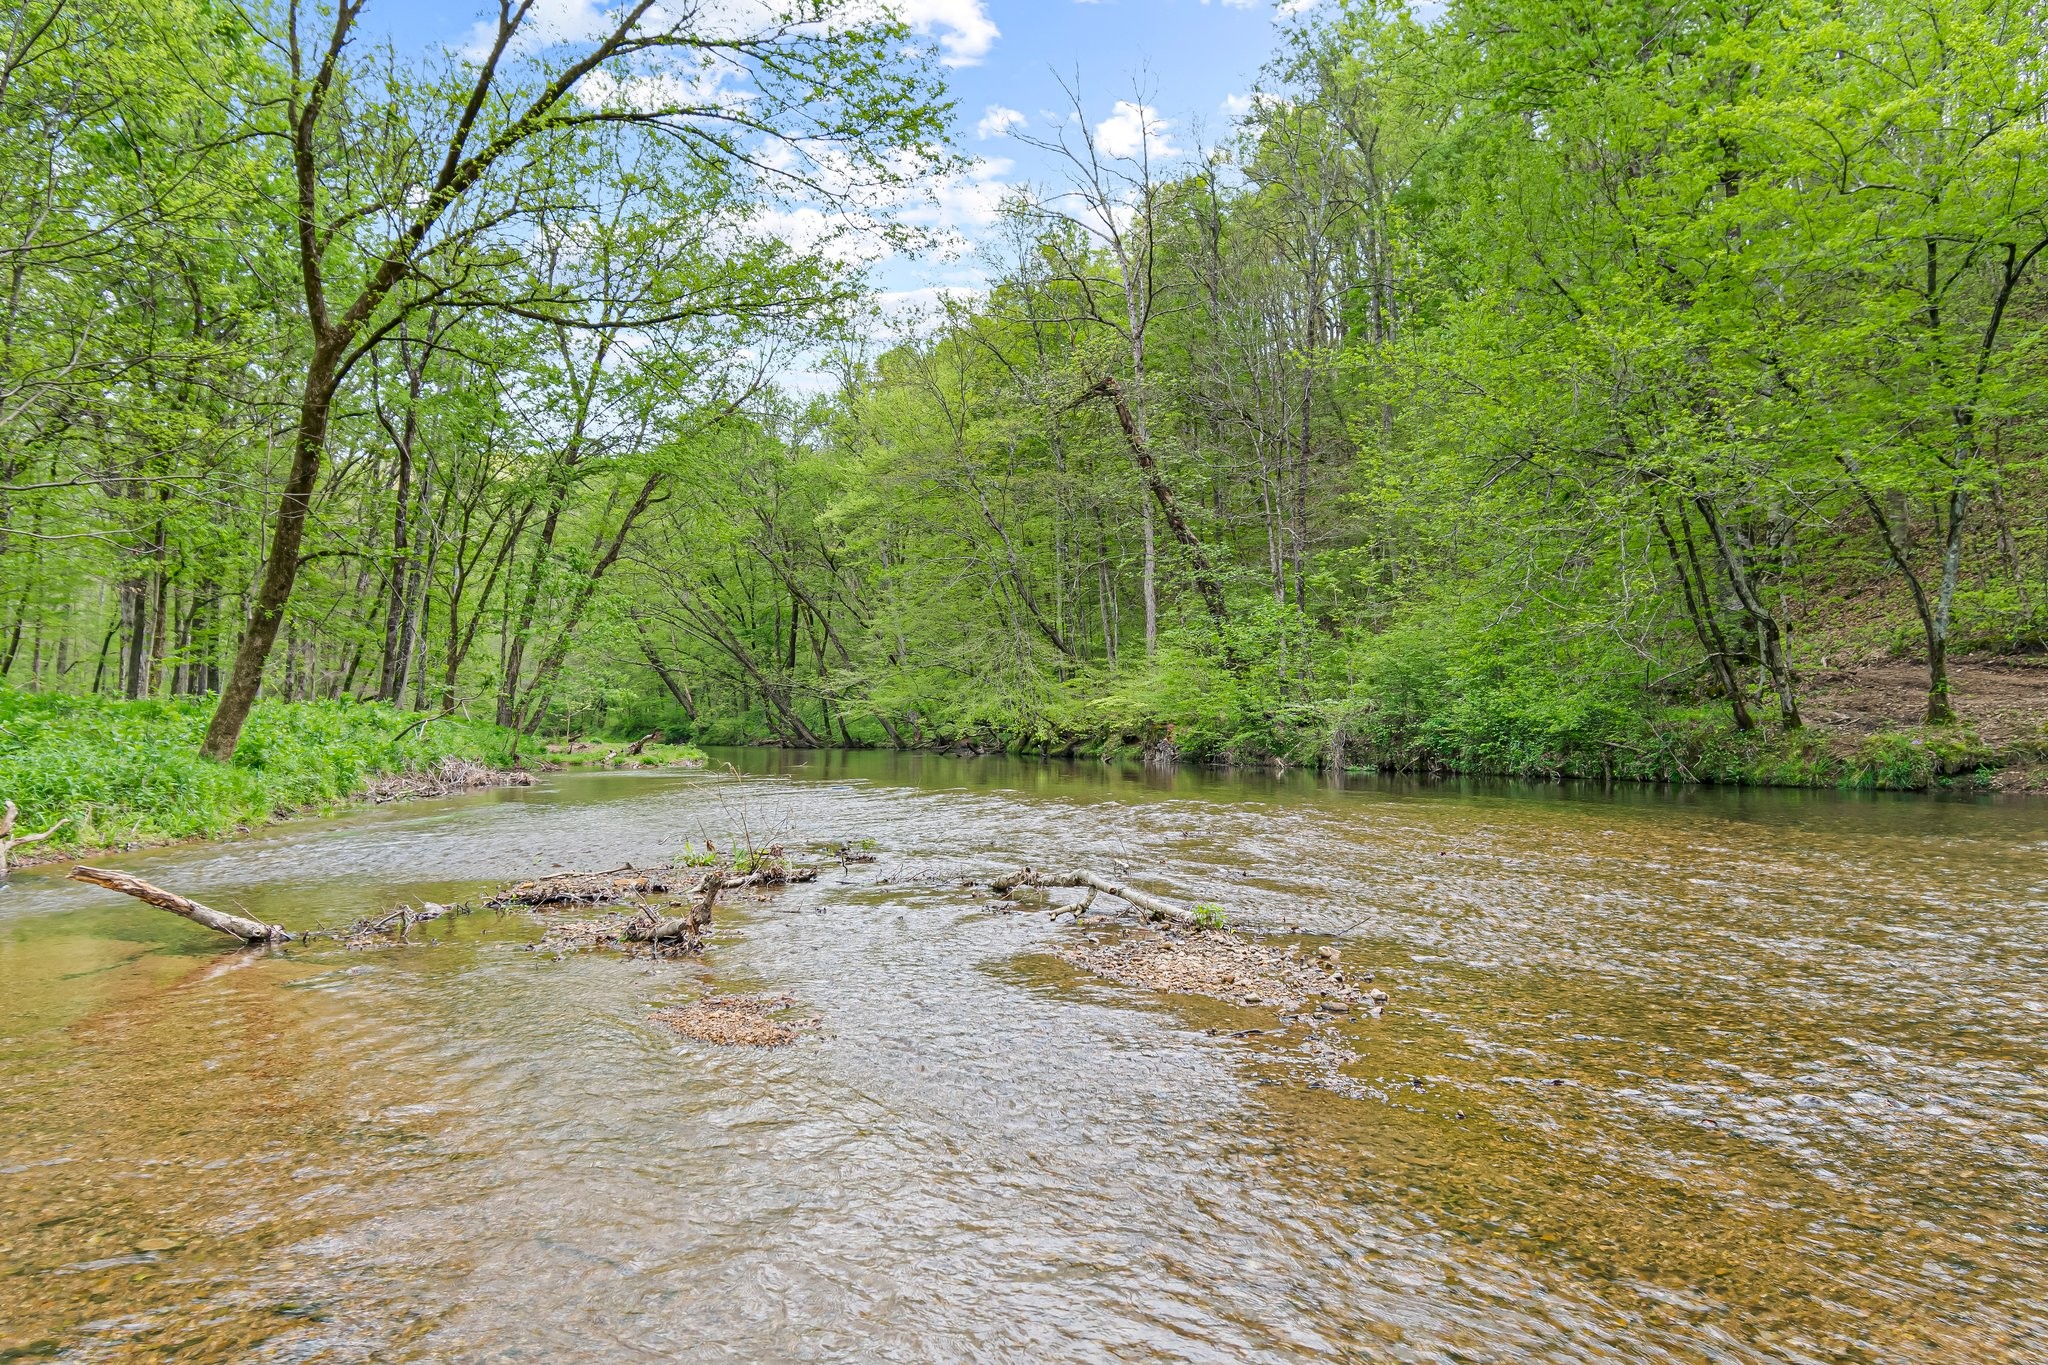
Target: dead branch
{"points": [[8, 839], [635, 749], [423, 722], [1153, 907], [688, 927], [247, 930], [693, 924]]}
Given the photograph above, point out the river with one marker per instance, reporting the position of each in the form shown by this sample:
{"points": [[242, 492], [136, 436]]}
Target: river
{"points": [[1705, 1075]]}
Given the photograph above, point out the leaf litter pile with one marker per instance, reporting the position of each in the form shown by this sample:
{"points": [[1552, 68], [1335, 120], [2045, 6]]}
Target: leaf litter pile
{"points": [[1229, 967], [736, 1020]]}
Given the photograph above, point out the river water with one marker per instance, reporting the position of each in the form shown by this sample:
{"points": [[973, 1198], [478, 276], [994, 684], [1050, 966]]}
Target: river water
{"points": [[1729, 1076]]}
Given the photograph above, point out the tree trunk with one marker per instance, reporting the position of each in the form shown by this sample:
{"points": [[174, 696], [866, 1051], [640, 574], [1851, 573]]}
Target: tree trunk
{"points": [[675, 686], [1770, 635], [1205, 578], [1149, 583], [281, 571], [515, 644], [1699, 605], [1940, 710], [391, 678], [1934, 615]]}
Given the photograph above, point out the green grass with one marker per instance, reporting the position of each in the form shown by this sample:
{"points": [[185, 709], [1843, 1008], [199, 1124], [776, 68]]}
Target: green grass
{"points": [[130, 773]]}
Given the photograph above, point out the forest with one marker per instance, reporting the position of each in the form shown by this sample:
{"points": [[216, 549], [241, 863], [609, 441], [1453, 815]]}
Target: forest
{"points": [[1528, 387]]}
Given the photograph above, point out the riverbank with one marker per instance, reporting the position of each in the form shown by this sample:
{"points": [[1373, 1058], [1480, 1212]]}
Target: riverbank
{"points": [[1861, 729], [127, 774]]}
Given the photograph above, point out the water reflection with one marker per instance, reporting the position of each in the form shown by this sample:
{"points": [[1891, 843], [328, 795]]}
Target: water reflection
{"points": [[1743, 1076]]}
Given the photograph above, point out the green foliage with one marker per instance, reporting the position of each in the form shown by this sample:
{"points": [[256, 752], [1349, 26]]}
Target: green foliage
{"points": [[1529, 391], [129, 772], [1210, 915], [690, 857]]}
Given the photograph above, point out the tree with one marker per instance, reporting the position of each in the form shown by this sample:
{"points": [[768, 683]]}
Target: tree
{"points": [[378, 241]]}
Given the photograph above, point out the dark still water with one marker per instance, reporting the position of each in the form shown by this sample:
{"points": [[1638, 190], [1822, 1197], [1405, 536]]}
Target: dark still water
{"points": [[1714, 1076]]}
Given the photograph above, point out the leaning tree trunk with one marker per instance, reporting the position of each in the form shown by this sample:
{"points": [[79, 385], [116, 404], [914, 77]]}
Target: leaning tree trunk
{"points": [[281, 571], [1148, 466]]}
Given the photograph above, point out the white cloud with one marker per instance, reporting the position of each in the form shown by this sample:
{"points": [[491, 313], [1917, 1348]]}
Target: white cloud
{"points": [[646, 92], [963, 28], [551, 21], [955, 207], [853, 221], [1237, 106], [997, 120], [837, 237], [906, 305], [1135, 128]]}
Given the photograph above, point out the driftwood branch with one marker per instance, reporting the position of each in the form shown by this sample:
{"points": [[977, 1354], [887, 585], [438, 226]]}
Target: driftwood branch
{"points": [[247, 930], [690, 925], [639, 745], [8, 838], [694, 922], [1151, 906]]}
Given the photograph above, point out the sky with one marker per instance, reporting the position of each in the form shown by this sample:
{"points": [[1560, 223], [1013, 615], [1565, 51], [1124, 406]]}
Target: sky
{"points": [[1190, 64]]}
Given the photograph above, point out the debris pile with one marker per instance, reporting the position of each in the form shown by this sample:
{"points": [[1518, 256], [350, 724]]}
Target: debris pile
{"points": [[445, 778], [736, 1020], [393, 927], [1230, 967], [593, 888], [642, 933]]}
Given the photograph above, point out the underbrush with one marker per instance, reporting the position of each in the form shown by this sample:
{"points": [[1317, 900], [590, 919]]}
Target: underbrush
{"points": [[129, 772], [1449, 690]]}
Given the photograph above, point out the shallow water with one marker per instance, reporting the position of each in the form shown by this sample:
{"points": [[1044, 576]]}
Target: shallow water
{"points": [[1728, 1076]]}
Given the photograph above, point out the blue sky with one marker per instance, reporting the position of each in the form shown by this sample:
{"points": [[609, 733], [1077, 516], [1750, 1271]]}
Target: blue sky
{"points": [[1186, 60]]}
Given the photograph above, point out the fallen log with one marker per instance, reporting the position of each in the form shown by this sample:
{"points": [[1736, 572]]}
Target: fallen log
{"points": [[235, 926], [639, 745], [8, 838], [1151, 906]]}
